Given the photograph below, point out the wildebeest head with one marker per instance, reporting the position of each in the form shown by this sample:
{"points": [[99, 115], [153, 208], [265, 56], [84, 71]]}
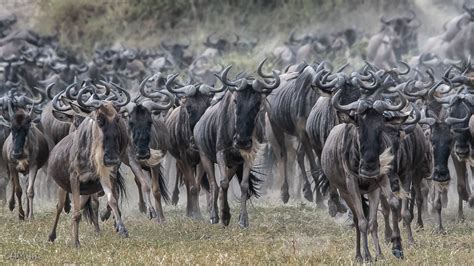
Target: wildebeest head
{"points": [[367, 114], [194, 98], [21, 121], [108, 130], [139, 114], [248, 96], [405, 30]]}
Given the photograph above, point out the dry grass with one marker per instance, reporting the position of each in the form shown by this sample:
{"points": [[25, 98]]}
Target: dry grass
{"points": [[277, 234]]}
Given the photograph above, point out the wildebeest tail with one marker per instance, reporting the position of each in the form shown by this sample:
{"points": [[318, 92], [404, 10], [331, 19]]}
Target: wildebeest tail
{"points": [[365, 206], [121, 185], [323, 182], [88, 211], [254, 180], [205, 183], [165, 195]]}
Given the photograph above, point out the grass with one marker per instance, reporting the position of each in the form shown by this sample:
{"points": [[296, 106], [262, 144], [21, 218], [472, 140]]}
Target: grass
{"points": [[291, 234]]}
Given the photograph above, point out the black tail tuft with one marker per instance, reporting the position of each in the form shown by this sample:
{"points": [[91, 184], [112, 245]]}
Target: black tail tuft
{"points": [[121, 186], [205, 183], [87, 211], [165, 194], [254, 184], [365, 206], [323, 182]]}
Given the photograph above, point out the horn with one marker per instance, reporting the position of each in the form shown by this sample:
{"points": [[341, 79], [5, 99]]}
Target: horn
{"points": [[348, 107], [150, 105], [91, 102], [49, 89], [120, 89], [359, 83], [453, 120], [259, 70], [381, 105], [80, 68], [225, 81], [143, 85], [56, 105], [416, 117]]}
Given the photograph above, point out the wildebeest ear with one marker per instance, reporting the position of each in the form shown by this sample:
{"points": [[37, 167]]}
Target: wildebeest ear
{"points": [[4, 122], [346, 118], [63, 117]]}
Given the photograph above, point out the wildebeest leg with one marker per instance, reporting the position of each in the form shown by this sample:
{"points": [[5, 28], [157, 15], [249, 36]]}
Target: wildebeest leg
{"points": [[394, 202], [374, 199], [192, 190], [345, 195], [138, 172], [30, 191], [468, 188], [95, 212], [199, 176], [141, 202], [244, 188], [461, 173], [307, 192], [419, 201], [18, 192], [226, 174], [438, 190], [208, 166], [406, 215], [111, 192], [179, 176], [276, 138], [155, 187], [11, 201], [355, 198], [76, 206], [59, 208], [386, 218], [312, 165]]}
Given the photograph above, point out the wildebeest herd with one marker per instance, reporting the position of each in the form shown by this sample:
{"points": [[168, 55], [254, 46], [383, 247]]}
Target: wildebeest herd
{"points": [[377, 135]]}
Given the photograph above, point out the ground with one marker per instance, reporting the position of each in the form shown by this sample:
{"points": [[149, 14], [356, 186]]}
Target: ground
{"points": [[292, 234]]}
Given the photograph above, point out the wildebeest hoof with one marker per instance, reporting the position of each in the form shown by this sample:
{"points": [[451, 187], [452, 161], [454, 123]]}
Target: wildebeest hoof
{"points": [[160, 219], [471, 201], [123, 231], [332, 209], [368, 258], [419, 226], [77, 244], [105, 215], [52, 237], [175, 198], [243, 221], [11, 205], [439, 230], [460, 218], [141, 207], [225, 218], [285, 197], [388, 236], [214, 218], [151, 213], [358, 258], [308, 194], [21, 215], [398, 253]]}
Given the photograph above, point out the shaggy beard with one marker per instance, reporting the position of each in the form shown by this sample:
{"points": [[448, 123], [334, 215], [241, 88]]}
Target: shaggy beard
{"points": [[155, 158], [251, 154], [385, 159]]}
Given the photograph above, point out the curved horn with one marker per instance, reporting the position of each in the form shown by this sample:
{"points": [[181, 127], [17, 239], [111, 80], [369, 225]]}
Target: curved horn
{"points": [[453, 120], [150, 105], [120, 89], [56, 105], [381, 105], [348, 107], [416, 115]]}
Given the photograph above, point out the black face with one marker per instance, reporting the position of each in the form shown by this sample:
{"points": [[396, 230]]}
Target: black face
{"points": [[370, 126], [111, 138], [20, 127], [178, 52], [441, 141], [195, 108], [461, 132], [248, 103], [140, 122]]}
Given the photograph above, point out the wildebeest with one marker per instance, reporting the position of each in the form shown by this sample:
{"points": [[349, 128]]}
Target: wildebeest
{"points": [[456, 41], [25, 151], [396, 38], [92, 156], [150, 141], [228, 134], [195, 99], [357, 157]]}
